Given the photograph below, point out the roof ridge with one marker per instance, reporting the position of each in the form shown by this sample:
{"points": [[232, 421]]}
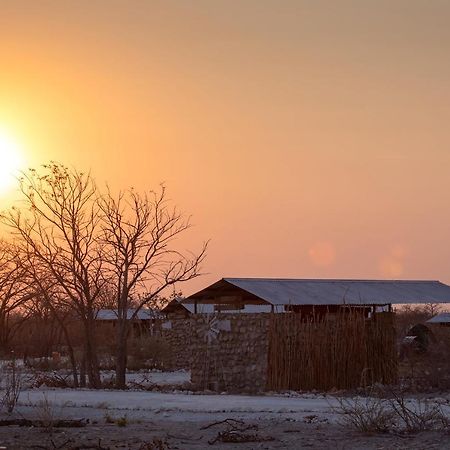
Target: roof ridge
{"points": [[331, 280]]}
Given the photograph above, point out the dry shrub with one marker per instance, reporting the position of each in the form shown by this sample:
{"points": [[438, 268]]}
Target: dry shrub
{"points": [[395, 413], [422, 415], [12, 380], [53, 380], [45, 414], [368, 415]]}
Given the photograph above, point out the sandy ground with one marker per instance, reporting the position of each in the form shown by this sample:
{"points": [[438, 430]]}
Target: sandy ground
{"points": [[152, 420], [179, 419], [188, 435]]}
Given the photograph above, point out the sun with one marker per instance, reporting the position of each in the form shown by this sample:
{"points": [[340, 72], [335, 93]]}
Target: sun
{"points": [[11, 161]]}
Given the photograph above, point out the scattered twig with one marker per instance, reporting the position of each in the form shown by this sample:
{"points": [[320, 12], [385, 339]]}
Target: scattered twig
{"points": [[220, 422], [237, 431]]}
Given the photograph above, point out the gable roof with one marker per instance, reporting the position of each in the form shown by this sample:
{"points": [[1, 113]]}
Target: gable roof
{"points": [[329, 292], [178, 304]]}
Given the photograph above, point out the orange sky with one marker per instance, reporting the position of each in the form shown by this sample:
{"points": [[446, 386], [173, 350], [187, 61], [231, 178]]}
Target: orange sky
{"points": [[306, 138]]}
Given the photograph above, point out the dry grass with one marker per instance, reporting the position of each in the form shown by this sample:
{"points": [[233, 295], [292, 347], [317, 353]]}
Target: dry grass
{"points": [[12, 380]]}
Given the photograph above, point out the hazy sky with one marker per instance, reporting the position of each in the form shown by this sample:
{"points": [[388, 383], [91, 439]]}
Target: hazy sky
{"points": [[306, 138]]}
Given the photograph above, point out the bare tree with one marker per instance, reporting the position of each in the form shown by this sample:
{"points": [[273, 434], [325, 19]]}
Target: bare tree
{"points": [[140, 233], [15, 289], [82, 251], [431, 309], [58, 227]]}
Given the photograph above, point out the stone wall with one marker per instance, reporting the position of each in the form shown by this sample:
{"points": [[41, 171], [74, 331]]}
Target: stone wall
{"points": [[229, 352], [176, 332]]}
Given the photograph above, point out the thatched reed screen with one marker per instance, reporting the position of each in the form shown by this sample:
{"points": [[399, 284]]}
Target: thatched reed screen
{"points": [[341, 351]]}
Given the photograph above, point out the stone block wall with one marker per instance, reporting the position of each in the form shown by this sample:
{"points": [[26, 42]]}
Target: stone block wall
{"points": [[229, 352], [176, 333]]}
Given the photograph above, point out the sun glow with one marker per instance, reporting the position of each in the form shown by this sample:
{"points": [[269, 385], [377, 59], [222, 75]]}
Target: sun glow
{"points": [[11, 161]]}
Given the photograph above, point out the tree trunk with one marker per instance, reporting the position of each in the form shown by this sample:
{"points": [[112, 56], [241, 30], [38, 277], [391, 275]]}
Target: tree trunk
{"points": [[4, 333], [73, 361], [91, 357], [72, 358], [121, 353], [83, 371]]}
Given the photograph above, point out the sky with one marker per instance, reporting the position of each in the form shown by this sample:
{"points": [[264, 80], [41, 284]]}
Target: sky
{"points": [[307, 139]]}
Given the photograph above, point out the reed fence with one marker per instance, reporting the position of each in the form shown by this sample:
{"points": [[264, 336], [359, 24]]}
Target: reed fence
{"points": [[341, 351]]}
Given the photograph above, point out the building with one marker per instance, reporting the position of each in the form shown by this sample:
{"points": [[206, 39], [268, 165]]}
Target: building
{"points": [[442, 319], [315, 296], [177, 309], [143, 320]]}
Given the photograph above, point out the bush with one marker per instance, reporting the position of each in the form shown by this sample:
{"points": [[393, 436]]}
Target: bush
{"points": [[368, 415], [395, 413], [422, 416], [12, 386]]}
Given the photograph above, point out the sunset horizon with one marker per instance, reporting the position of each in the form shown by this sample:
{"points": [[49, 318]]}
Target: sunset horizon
{"points": [[307, 141], [224, 224]]}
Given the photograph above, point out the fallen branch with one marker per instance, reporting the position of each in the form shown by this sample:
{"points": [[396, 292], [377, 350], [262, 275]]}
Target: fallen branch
{"points": [[237, 432], [226, 421], [59, 423]]}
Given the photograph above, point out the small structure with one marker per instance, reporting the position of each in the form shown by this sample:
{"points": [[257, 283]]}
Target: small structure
{"points": [[442, 319], [143, 320], [176, 309]]}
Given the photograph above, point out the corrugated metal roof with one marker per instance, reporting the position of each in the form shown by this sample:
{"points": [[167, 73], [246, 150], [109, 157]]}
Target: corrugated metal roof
{"points": [[335, 292], [143, 314], [440, 318]]}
